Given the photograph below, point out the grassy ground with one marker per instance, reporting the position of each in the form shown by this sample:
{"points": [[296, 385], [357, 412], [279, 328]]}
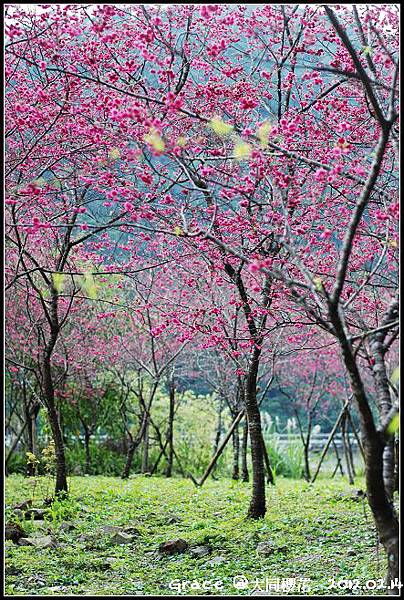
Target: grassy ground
{"points": [[319, 533]]}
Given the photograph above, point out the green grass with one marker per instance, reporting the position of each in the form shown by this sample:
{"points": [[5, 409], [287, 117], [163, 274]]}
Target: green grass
{"points": [[317, 528]]}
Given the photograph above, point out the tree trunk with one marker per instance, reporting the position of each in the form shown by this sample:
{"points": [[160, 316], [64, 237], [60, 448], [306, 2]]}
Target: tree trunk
{"points": [[346, 451], [31, 415], [87, 437], [49, 394], [257, 504], [170, 432], [270, 475], [236, 454], [244, 452], [306, 454], [384, 403], [374, 443], [129, 459], [145, 455], [61, 487], [339, 461], [383, 510], [349, 447]]}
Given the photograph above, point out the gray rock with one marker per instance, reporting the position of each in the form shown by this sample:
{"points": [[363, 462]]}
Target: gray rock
{"points": [[67, 526], [216, 560], [265, 548], [173, 546], [112, 529], [173, 519], [200, 551], [42, 542], [120, 538], [13, 532], [131, 530], [36, 513], [23, 505]]}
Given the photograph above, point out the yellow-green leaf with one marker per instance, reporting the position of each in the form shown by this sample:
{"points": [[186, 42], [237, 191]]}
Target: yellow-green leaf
{"points": [[114, 153], [318, 283], [182, 141], [395, 376], [367, 50], [155, 140], [177, 230], [88, 285], [263, 132], [58, 281], [394, 425], [220, 127], [242, 150]]}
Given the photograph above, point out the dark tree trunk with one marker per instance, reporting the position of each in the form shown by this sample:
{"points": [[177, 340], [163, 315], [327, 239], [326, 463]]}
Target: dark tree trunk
{"points": [[346, 451], [129, 458], [270, 475], [87, 437], [146, 443], [397, 465], [49, 395], [382, 508], [236, 454], [257, 504], [349, 447], [384, 402], [306, 454], [339, 461], [170, 432], [244, 453], [374, 443], [31, 416], [218, 431]]}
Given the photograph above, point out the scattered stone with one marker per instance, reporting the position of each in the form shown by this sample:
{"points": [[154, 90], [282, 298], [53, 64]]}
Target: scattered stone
{"points": [[19, 514], [200, 551], [13, 532], [67, 526], [23, 505], [120, 538], [265, 548], [150, 516], [42, 542], [108, 563], [173, 546], [36, 513], [217, 560], [37, 580], [49, 501], [173, 519], [308, 557], [130, 530], [112, 529]]}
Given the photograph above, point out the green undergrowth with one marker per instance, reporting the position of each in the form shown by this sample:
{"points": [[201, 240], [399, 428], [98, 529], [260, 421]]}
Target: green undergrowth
{"points": [[319, 532]]}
